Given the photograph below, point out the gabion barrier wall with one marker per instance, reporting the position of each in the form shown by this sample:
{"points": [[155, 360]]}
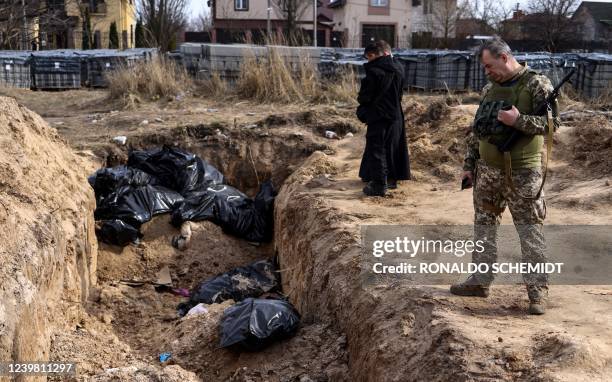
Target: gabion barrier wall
{"points": [[65, 69], [424, 69]]}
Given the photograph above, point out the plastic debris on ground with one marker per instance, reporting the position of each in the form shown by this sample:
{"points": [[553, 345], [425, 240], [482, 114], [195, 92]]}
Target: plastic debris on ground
{"points": [[239, 283], [166, 180], [198, 309], [163, 357], [120, 139], [253, 324]]}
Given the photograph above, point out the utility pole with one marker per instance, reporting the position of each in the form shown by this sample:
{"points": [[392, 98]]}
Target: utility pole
{"points": [[314, 22], [268, 23], [24, 33]]}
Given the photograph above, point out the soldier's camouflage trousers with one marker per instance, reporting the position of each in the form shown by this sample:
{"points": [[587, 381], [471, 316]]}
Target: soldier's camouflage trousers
{"points": [[491, 195]]}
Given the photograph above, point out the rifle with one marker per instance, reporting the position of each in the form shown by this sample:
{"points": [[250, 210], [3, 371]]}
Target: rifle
{"points": [[540, 110]]}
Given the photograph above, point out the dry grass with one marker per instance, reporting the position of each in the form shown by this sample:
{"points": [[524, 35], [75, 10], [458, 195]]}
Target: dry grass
{"points": [[214, 87], [270, 79], [276, 80], [151, 80]]}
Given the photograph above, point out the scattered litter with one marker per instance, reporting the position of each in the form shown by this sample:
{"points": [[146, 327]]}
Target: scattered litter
{"points": [[59, 123], [331, 135], [120, 139], [163, 357], [159, 120], [144, 122], [163, 277], [250, 114], [348, 135], [198, 309], [212, 110], [184, 292], [251, 126], [255, 323], [252, 280], [94, 121]]}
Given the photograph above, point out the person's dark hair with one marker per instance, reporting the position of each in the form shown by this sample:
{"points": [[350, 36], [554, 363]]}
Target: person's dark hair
{"points": [[496, 46], [379, 47]]}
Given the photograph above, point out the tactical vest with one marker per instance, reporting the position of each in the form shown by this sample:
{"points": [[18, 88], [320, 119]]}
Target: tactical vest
{"points": [[526, 153]]}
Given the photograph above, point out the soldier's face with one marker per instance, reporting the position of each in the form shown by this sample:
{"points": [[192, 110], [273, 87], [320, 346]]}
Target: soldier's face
{"points": [[496, 68]]}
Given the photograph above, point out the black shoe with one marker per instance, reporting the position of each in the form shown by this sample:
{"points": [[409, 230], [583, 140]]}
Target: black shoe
{"points": [[374, 188], [470, 287], [536, 308], [391, 184]]}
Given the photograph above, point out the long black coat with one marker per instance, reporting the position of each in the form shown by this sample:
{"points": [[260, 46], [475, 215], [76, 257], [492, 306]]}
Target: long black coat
{"points": [[380, 107]]}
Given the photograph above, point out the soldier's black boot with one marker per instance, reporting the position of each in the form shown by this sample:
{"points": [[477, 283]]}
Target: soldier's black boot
{"points": [[470, 287], [537, 307], [375, 188], [391, 184]]}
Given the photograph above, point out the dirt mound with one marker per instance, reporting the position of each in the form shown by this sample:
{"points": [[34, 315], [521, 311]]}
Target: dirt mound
{"points": [[591, 145], [48, 248], [314, 354], [436, 135]]}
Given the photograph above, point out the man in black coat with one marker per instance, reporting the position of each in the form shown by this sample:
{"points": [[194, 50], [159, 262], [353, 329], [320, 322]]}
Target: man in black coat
{"points": [[385, 158]]}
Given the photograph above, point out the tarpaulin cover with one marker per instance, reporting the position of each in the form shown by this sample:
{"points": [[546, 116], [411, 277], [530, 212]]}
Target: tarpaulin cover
{"points": [[252, 280], [171, 180], [255, 323]]}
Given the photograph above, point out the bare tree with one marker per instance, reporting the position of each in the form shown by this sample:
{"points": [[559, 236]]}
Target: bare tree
{"points": [[491, 13], [23, 22], [163, 20], [552, 22], [201, 22], [292, 11], [442, 18]]}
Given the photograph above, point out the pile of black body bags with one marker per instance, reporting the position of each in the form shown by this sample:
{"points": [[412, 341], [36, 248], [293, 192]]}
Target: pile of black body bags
{"points": [[259, 317], [169, 180]]}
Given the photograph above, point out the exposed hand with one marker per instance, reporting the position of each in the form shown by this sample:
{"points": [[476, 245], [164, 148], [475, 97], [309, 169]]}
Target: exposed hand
{"points": [[469, 175], [508, 117]]}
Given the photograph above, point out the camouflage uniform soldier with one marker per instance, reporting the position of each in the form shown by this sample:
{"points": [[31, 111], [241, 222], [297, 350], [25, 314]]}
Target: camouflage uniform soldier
{"points": [[485, 167]]}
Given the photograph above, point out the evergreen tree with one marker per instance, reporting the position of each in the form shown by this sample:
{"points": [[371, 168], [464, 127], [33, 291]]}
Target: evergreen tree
{"points": [[139, 35], [86, 31], [113, 36]]}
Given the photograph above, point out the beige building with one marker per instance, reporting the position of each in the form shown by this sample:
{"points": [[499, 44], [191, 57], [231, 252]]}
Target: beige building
{"points": [[395, 21], [237, 21], [102, 13], [60, 24]]}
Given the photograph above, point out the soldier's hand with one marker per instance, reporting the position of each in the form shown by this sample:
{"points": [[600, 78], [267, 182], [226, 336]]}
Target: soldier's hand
{"points": [[508, 117], [467, 180]]}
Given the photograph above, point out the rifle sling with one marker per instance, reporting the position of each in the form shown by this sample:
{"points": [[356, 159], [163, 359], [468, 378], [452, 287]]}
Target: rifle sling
{"points": [[508, 161]]}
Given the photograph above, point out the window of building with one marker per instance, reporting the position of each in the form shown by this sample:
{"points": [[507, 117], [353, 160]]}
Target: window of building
{"points": [[241, 5], [379, 3], [427, 6], [132, 35]]}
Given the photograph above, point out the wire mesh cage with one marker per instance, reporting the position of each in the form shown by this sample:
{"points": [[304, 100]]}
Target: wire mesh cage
{"points": [[15, 69], [55, 69]]}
